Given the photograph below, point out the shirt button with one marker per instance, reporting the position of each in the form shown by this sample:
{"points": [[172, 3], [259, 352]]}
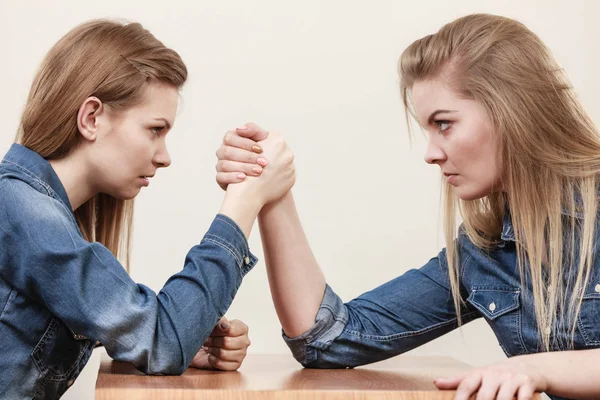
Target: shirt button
{"points": [[247, 260], [597, 288], [492, 306]]}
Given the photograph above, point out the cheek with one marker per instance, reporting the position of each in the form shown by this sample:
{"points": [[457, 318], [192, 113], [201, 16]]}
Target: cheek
{"points": [[127, 159], [465, 153], [136, 144], [474, 156], [478, 145], [485, 163]]}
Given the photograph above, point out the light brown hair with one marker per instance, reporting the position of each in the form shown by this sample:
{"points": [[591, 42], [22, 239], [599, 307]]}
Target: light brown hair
{"points": [[114, 62], [549, 151]]}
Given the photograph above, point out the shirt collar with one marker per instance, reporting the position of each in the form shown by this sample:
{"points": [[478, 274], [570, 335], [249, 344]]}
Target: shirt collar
{"points": [[38, 169], [508, 231]]}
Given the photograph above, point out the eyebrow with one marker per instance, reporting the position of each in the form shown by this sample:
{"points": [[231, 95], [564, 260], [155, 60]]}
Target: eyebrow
{"points": [[167, 123], [435, 113]]}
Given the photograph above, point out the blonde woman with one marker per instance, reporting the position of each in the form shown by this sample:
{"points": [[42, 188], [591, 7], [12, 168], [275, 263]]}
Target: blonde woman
{"points": [[92, 136], [521, 164]]}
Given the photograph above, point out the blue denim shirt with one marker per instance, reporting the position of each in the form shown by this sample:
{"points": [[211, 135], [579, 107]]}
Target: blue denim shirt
{"points": [[59, 294], [417, 307]]}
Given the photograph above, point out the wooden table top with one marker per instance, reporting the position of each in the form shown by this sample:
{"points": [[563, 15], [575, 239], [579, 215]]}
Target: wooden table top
{"points": [[280, 377]]}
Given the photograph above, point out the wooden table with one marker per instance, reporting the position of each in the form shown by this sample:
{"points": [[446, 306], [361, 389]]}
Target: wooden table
{"points": [[280, 377]]}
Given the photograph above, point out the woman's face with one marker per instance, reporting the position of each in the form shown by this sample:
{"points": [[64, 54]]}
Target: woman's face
{"points": [[131, 145], [461, 139]]}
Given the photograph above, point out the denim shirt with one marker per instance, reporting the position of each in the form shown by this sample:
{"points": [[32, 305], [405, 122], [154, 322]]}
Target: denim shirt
{"points": [[59, 293], [417, 307]]}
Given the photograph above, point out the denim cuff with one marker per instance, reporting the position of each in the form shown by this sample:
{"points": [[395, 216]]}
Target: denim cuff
{"points": [[226, 233], [330, 322]]}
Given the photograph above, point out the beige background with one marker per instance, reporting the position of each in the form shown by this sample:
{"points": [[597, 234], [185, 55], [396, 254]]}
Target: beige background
{"points": [[323, 73]]}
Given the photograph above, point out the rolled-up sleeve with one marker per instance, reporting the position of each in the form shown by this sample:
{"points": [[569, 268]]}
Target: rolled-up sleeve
{"points": [[84, 285], [391, 319], [330, 322]]}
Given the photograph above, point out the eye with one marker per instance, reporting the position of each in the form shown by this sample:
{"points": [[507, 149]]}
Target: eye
{"points": [[157, 130], [442, 124]]}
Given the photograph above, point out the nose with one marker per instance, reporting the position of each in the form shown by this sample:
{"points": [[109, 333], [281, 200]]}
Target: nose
{"points": [[162, 159], [434, 153]]}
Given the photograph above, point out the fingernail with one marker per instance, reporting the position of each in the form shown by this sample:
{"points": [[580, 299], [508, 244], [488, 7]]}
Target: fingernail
{"points": [[241, 176], [257, 149], [257, 170], [205, 348], [241, 128], [262, 162], [224, 326]]}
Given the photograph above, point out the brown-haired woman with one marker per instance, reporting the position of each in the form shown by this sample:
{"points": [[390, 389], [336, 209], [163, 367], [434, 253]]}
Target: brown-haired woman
{"points": [[91, 136]]}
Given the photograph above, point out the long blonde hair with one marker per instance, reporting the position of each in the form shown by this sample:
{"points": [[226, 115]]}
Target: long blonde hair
{"points": [[114, 62], [548, 147]]}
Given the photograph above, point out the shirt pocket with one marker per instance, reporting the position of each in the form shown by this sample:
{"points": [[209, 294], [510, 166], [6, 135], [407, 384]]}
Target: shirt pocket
{"points": [[589, 316], [58, 355], [501, 307]]}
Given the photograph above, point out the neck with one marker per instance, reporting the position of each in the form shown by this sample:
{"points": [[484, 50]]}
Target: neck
{"points": [[75, 179]]}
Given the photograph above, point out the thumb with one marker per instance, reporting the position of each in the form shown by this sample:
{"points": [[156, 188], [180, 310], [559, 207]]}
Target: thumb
{"points": [[252, 131], [221, 328]]}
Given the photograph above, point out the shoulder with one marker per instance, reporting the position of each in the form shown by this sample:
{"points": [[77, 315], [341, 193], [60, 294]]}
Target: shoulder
{"points": [[21, 204]]}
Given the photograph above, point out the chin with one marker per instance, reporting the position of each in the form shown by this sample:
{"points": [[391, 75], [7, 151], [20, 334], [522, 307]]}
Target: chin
{"points": [[469, 195], [469, 191], [125, 194], [131, 195]]}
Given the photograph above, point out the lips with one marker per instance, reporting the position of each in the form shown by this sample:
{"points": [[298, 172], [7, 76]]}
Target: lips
{"points": [[451, 178], [146, 179]]}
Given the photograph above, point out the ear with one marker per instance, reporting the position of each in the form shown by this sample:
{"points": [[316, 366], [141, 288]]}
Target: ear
{"points": [[87, 118]]}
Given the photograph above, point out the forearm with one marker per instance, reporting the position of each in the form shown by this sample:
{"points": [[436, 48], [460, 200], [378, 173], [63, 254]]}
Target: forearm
{"points": [[570, 374], [297, 283], [242, 206]]}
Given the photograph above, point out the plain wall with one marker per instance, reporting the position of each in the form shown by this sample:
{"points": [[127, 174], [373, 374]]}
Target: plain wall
{"points": [[324, 74]]}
